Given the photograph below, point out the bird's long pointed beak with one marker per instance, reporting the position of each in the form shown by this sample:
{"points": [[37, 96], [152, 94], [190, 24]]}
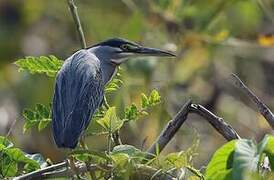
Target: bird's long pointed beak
{"points": [[154, 52]]}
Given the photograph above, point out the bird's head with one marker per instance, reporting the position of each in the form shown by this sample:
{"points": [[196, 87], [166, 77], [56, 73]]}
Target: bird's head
{"points": [[118, 50]]}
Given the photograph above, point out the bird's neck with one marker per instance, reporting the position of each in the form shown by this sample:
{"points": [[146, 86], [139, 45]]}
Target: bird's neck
{"points": [[108, 69]]}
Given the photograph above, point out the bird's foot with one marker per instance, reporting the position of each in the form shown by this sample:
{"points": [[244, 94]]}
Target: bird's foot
{"points": [[73, 167], [82, 143]]}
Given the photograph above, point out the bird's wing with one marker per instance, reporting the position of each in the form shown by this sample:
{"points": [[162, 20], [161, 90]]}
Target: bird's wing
{"points": [[78, 93]]}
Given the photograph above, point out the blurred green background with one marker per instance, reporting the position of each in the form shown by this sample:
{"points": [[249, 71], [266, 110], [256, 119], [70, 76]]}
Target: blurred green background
{"points": [[212, 38]]}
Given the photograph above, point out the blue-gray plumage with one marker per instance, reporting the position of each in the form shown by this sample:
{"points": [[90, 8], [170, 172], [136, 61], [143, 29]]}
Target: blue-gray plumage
{"points": [[79, 87]]}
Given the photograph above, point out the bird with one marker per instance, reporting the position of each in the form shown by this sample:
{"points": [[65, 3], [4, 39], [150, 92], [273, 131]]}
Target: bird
{"points": [[79, 85]]}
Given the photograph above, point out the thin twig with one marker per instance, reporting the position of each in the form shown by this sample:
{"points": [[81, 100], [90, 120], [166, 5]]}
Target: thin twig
{"points": [[40, 172], [264, 110], [170, 130], [74, 13], [218, 123], [81, 168], [11, 128]]}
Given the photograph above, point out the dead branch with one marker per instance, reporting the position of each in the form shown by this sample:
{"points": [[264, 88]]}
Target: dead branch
{"points": [[39, 173], [169, 131], [217, 122], [264, 110]]}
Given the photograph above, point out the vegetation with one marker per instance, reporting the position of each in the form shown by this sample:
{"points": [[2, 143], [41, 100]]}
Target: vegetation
{"points": [[213, 39]]}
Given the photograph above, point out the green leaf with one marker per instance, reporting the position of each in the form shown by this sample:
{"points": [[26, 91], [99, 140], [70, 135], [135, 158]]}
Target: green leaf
{"points": [[183, 158], [154, 98], [177, 160], [43, 124], [49, 65], [120, 160], [40, 116], [8, 167], [245, 159], [5, 142], [144, 101], [221, 163], [115, 83], [131, 112], [110, 122], [129, 150], [124, 158], [269, 150], [11, 157]]}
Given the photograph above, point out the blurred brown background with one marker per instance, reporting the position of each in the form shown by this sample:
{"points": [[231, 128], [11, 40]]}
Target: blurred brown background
{"points": [[212, 39]]}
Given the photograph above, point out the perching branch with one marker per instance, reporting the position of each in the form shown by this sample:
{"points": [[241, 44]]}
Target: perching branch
{"points": [[169, 131], [74, 13], [40, 172], [62, 170], [264, 110], [217, 122]]}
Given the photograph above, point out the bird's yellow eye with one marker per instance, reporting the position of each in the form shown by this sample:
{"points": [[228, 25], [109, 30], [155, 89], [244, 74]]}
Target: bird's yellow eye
{"points": [[125, 47], [128, 47]]}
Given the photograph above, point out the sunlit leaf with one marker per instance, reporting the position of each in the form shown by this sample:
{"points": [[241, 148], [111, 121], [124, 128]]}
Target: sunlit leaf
{"points": [[110, 122], [115, 83], [40, 116], [177, 160], [221, 163], [144, 101], [5, 142], [154, 98], [269, 150], [129, 150], [11, 157], [48, 65], [131, 112], [8, 167]]}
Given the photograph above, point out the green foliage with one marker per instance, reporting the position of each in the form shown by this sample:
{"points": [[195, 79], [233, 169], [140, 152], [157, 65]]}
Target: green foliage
{"points": [[132, 112], [125, 158], [110, 122], [13, 161], [129, 150], [245, 158], [221, 163], [39, 117], [269, 150], [43, 64], [153, 99], [238, 158], [115, 83]]}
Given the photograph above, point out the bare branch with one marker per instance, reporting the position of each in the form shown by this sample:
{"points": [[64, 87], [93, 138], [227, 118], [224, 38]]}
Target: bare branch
{"points": [[38, 173], [74, 13], [62, 170], [264, 110], [170, 130], [218, 123]]}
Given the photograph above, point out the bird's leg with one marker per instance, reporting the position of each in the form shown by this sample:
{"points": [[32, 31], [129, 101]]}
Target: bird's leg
{"points": [[72, 165], [82, 142], [85, 147], [105, 102]]}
